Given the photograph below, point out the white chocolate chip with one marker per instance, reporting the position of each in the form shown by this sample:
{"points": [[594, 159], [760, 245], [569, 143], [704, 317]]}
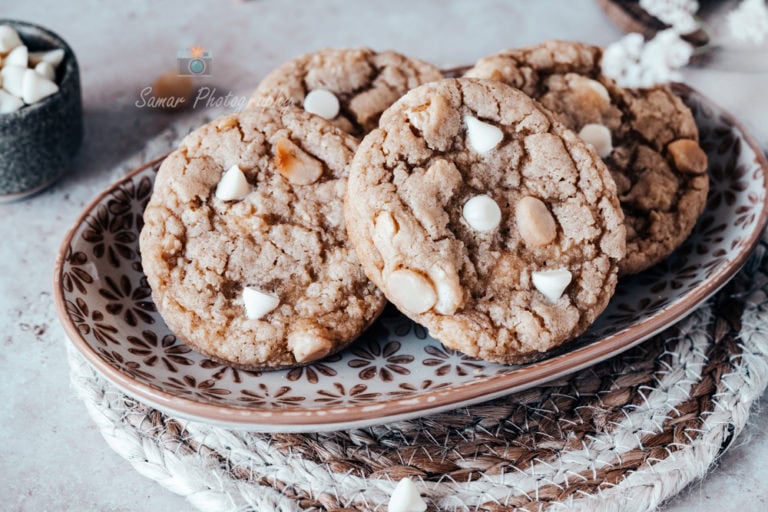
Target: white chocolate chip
{"points": [[53, 57], [308, 346], [295, 164], [35, 87], [450, 294], [13, 78], [552, 283], [17, 57], [411, 291], [233, 186], [406, 498], [482, 213], [583, 84], [322, 103], [9, 102], [385, 226], [257, 303], [46, 70], [9, 38], [535, 222], [599, 137], [483, 137]]}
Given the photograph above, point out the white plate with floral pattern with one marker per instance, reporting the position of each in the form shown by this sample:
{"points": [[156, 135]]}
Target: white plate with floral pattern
{"points": [[395, 371]]}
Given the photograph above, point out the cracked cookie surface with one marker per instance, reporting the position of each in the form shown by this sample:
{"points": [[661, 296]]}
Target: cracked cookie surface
{"points": [[454, 237], [285, 238], [654, 156], [365, 82]]}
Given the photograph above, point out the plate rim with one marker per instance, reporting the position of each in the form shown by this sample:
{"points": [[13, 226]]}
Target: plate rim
{"points": [[321, 418]]}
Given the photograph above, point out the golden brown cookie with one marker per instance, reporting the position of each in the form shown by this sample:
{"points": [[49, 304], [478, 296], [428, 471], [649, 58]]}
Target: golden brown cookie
{"points": [[486, 220], [349, 87], [647, 137], [244, 244]]}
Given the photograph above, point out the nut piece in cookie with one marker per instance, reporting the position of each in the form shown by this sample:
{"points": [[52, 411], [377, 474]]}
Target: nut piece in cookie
{"points": [[647, 137], [483, 218], [244, 244], [349, 87]]}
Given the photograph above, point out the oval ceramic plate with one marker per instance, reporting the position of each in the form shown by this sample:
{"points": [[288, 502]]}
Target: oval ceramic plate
{"points": [[394, 371]]}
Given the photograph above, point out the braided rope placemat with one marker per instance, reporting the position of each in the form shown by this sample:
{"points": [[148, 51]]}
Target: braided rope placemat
{"points": [[623, 435]]}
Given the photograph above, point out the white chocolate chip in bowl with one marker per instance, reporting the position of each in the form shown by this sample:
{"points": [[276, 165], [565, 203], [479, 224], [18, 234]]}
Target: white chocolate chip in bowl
{"points": [[308, 346], [406, 498], [233, 186], [599, 137], [9, 102], [18, 57], [258, 303], [295, 164], [482, 213], [482, 136], [552, 283], [52, 57], [13, 78], [9, 38], [46, 70], [411, 291], [322, 103], [35, 87]]}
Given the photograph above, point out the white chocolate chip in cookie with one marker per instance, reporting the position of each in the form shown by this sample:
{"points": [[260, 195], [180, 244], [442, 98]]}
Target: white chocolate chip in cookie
{"points": [[385, 226], [482, 137], [295, 164], [308, 346], [233, 186], [482, 213], [258, 303], [322, 103], [592, 89], [411, 291], [552, 283], [599, 137], [535, 222], [450, 294]]}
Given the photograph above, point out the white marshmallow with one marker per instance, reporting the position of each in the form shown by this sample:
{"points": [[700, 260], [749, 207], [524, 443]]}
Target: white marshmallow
{"points": [[599, 137], [322, 103], [483, 137], [17, 57], [52, 57], [233, 186], [552, 283], [406, 498], [35, 87], [46, 69], [9, 38], [13, 79], [9, 102], [482, 213], [257, 303]]}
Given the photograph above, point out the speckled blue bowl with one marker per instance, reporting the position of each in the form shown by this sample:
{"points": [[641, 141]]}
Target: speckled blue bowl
{"points": [[39, 141]]}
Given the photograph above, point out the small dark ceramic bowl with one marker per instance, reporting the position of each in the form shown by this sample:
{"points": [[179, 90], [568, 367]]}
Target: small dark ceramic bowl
{"points": [[39, 141]]}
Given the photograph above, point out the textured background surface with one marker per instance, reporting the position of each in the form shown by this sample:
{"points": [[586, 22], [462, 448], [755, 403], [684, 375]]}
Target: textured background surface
{"points": [[52, 457]]}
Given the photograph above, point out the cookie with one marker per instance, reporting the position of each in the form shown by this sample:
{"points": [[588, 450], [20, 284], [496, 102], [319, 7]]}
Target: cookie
{"points": [[647, 137], [244, 244], [349, 87], [486, 220]]}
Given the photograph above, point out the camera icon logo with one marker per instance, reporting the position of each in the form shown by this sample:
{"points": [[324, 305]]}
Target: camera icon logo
{"points": [[195, 61]]}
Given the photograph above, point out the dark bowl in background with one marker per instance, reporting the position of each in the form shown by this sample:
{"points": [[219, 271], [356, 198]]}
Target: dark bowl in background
{"points": [[39, 141]]}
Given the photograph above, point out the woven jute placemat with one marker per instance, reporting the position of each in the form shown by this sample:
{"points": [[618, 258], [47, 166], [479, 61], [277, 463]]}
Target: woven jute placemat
{"points": [[626, 434], [623, 435]]}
